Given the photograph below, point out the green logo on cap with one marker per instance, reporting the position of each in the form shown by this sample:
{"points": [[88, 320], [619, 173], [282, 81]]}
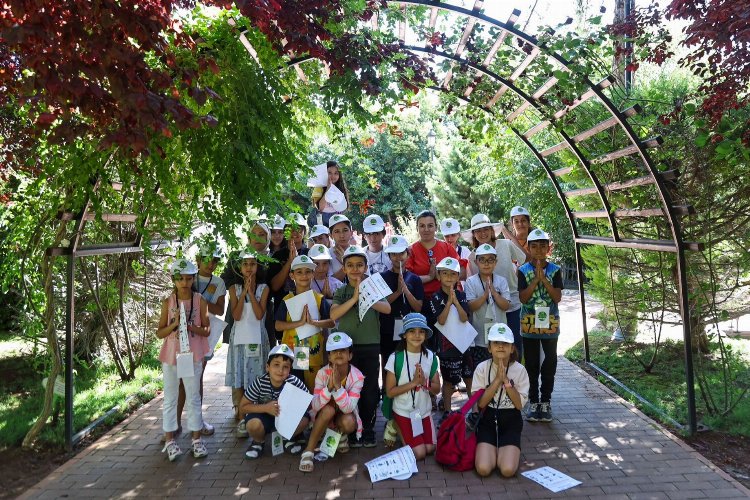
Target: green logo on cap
{"points": [[448, 262], [337, 338], [394, 240], [486, 247], [352, 249], [373, 222], [303, 259], [321, 248], [448, 224]]}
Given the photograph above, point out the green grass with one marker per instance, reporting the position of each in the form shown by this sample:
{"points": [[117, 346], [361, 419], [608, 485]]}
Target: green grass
{"points": [[665, 385], [98, 389]]}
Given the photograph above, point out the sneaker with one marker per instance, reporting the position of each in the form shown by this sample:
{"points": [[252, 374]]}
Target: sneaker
{"points": [[354, 442], [207, 429], [242, 430], [173, 450], [368, 441], [545, 412], [199, 449], [533, 414]]}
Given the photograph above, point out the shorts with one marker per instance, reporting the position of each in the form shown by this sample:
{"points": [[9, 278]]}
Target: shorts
{"points": [[427, 437], [479, 354], [500, 427], [268, 421], [454, 369]]}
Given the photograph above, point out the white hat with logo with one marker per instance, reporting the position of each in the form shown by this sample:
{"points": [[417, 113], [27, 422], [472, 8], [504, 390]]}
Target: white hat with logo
{"points": [[536, 235], [183, 266], [337, 219], [373, 224], [396, 244], [449, 264], [303, 262], [449, 226], [319, 252], [500, 332], [319, 230], [338, 340], [282, 349], [278, 222], [353, 250], [519, 210], [485, 249]]}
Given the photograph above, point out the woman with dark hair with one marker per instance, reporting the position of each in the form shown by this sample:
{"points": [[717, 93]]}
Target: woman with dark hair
{"points": [[427, 252], [520, 227], [321, 207]]}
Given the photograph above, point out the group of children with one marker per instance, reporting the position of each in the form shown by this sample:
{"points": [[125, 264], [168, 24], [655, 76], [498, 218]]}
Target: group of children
{"points": [[505, 288]]}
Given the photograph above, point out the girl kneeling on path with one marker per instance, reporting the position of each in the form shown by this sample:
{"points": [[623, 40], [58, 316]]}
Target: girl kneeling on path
{"points": [[506, 385], [183, 272], [408, 382]]}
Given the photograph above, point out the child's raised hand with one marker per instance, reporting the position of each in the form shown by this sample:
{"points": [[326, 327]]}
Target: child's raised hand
{"points": [[327, 288], [292, 250], [419, 378]]}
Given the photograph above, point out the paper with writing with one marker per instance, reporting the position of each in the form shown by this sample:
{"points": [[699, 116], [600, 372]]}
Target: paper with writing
{"points": [[371, 290], [398, 464], [551, 479]]}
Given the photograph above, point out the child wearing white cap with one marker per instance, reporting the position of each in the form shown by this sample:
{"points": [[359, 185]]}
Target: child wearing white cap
{"points": [[323, 282], [341, 232], [540, 289], [260, 403], [196, 311], [451, 230], [320, 235], [454, 364], [301, 274], [247, 307], [489, 298], [373, 228], [506, 386], [520, 226], [337, 391]]}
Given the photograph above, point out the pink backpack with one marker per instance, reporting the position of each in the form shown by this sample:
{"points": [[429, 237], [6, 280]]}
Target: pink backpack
{"points": [[456, 446]]}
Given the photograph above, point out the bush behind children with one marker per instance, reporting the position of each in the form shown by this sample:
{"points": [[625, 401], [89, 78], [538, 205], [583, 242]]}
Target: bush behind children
{"points": [[343, 377]]}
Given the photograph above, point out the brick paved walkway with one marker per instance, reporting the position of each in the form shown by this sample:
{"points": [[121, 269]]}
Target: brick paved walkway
{"points": [[596, 437]]}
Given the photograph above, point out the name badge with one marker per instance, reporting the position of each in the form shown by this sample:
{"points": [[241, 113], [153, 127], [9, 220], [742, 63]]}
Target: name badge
{"points": [[541, 317], [397, 326], [330, 442], [301, 358], [277, 444], [416, 423], [252, 350], [487, 325]]}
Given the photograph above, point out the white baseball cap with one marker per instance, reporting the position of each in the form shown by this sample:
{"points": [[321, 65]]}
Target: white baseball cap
{"points": [[264, 226], [278, 222], [338, 218], [396, 244], [282, 349], [338, 340], [500, 332], [519, 210], [319, 230], [248, 253], [354, 250], [182, 266], [449, 226], [449, 264], [485, 249], [373, 224], [296, 219], [211, 249], [537, 234], [303, 262], [319, 252]]}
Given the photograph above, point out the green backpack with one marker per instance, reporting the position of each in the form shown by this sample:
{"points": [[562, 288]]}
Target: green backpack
{"points": [[387, 407]]}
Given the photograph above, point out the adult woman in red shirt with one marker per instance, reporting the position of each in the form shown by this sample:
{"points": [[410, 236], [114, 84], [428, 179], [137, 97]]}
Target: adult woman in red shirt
{"points": [[427, 252]]}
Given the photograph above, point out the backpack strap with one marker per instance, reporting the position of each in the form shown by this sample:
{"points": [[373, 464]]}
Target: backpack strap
{"points": [[470, 403], [434, 367], [399, 364]]}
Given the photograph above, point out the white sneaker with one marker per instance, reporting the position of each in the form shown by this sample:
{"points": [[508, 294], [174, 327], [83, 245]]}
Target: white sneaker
{"points": [[199, 449], [242, 430], [173, 450]]}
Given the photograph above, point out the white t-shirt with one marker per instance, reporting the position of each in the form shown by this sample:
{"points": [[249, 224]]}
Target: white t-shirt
{"points": [[403, 404], [377, 262], [212, 288], [509, 259], [335, 264], [490, 313], [516, 373]]}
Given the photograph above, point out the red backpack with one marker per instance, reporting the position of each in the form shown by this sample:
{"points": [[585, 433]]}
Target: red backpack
{"points": [[455, 445]]}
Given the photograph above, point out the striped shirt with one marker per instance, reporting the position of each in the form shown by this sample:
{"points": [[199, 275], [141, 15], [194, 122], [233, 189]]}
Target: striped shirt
{"points": [[261, 391]]}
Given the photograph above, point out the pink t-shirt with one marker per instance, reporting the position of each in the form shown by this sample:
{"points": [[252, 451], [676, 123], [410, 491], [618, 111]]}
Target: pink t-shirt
{"points": [[171, 345]]}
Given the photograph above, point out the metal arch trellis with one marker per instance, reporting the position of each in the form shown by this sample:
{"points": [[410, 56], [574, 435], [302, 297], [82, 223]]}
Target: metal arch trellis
{"points": [[617, 119]]}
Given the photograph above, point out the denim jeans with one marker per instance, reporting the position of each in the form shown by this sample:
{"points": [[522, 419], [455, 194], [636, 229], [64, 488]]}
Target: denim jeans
{"points": [[547, 370]]}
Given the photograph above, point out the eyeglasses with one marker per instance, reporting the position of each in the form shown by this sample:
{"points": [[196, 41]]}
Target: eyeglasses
{"points": [[486, 261]]}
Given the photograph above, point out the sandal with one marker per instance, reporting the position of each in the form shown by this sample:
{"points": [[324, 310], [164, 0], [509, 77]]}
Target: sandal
{"points": [[306, 463], [390, 434], [294, 447], [255, 450], [343, 446]]}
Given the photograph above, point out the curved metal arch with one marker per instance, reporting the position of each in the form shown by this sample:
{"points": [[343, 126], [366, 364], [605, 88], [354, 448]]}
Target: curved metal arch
{"points": [[664, 196]]}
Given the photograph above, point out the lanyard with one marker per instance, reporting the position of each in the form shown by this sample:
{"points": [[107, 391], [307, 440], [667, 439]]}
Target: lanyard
{"points": [[207, 285], [490, 299], [408, 374], [502, 387], [320, 290], [371, 267]]}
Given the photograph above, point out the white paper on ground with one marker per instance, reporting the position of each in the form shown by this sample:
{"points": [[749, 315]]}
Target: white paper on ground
{"points": [[185, 365], [295, 305], [371, 290], [319, 177], [398, 464], [217, 328], [336, 198], [293, 403], [460, 333], [551, 479]]}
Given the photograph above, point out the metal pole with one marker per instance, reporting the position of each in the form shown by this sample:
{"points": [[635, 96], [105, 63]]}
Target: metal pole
{"points": [[687, 337], [579, 267], [69, 322]]}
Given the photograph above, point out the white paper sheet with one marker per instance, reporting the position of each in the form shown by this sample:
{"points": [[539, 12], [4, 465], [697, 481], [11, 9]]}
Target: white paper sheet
{"points": [[319, 177], [371, 290], [551, 479], [461, 334], [398, 464], [293, 403], [295, 305], [336, 198], [217, 328], [247, 329]]}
